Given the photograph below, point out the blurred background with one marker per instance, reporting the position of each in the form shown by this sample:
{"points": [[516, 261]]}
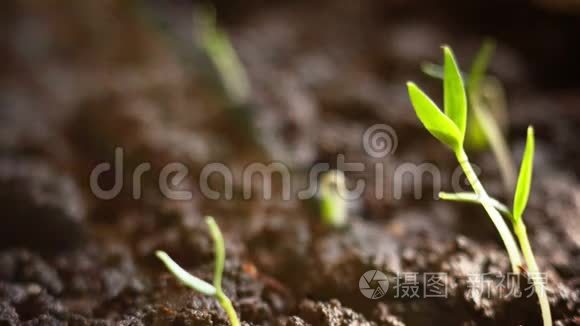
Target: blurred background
{"points": [[245, 81]]}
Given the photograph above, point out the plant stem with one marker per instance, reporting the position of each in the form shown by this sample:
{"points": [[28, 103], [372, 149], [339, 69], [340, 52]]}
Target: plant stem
{"points": [[498, 221], [189, 280], [220, 252], [220, 256], [534, 271], [228, 307]]}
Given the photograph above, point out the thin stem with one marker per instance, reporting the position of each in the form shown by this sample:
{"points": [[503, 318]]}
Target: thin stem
{"points": [[220, 252], [533, 271], [189, 280], [200, 285], [220, 256], [228, 308], [498, 221]]}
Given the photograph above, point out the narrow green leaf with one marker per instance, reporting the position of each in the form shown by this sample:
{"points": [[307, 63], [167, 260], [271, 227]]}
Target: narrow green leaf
{"points": [[476, 137], [186, 278], [454, 92], [221, 51], [432, 70], [525, 177], [473, 198], [220, 252], [435, 71], [479, 67], [435, 121]]}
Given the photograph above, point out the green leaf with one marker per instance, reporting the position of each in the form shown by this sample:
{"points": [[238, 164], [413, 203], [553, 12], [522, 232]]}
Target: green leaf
{"points": [[473, 198], [186, 278], [476, 137], [479, 67], [435, 71], [222, 53], [525, 178], [432, 70], [435, 121], [454, 92]]}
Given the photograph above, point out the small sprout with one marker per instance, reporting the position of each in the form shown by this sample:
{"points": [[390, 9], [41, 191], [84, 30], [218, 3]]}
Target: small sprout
{"points": [[221, 52], [520, 202], [449, 128], [200, 285], [453, 131], [333, 204], [231, 73]]}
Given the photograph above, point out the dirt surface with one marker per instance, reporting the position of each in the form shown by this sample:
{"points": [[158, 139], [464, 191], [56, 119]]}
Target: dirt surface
{"points": [[82, 78]]}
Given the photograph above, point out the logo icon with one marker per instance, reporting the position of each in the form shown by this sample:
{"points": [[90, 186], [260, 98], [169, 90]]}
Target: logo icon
{"points": [[380, 140], [373, 284]]}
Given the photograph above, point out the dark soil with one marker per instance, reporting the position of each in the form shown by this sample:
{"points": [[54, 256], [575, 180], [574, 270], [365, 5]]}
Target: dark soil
{"points": [[81, 78]]}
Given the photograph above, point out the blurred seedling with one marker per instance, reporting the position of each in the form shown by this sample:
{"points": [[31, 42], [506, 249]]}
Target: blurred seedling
{"points": [[200, 285], [333, 204], [488, 113], [214, 50], [449, 127], [219, 49], [232, 74]]}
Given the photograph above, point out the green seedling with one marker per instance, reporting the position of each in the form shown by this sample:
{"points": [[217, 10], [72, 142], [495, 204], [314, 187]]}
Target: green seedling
{"points": [[516, 217], [232, 75], [333, 205], [449, 128], [221, 52], [200, 285], [487, 104]]}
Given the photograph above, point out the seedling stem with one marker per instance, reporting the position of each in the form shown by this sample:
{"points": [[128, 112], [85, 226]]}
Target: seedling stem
{"points": [[200, 285], [497, 220]]}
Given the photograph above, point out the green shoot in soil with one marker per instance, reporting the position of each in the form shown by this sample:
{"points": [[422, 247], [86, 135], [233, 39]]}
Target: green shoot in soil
{"points": [[200, 285], [515, 215], [231, 73], [221, 52], [333, 205], [449, 128]]}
